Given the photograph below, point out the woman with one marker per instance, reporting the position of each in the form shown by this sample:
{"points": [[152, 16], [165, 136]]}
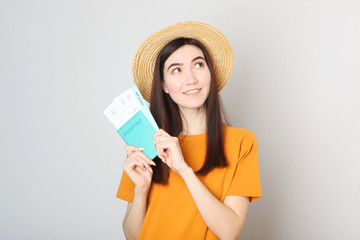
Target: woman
{"points": [[206, 173]]}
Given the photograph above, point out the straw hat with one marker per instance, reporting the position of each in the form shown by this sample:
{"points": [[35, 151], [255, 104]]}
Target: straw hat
{"points": [[214, 41]]}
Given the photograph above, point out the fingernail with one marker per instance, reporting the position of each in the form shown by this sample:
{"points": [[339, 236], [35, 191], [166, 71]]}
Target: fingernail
{"points": [[142, 149]]}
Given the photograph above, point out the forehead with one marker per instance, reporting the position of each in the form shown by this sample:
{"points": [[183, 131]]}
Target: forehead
{"points": [[184, 54]]}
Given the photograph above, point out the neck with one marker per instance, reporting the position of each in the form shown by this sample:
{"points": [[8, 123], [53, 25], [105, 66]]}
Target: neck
{"points": [[193, 121]]}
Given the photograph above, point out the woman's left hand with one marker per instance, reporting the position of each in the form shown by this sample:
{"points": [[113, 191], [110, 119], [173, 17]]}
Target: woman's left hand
{"points": [[169, 151]]}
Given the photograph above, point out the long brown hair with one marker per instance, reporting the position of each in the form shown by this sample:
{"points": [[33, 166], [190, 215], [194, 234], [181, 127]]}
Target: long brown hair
{"points": [[168, 117]]}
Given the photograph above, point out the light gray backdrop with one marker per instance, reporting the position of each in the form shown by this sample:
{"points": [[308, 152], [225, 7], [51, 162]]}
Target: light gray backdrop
{"points": [[295, 84]]}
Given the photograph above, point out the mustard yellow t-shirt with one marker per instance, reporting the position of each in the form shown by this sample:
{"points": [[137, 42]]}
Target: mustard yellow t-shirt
{"points": [[171, 211]]}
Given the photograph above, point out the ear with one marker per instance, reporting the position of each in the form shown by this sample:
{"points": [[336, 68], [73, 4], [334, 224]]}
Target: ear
{"points": [[165, 88]]}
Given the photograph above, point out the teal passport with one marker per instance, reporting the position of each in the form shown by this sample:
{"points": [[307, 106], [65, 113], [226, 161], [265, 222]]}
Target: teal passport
{"points": [[139, 132]]}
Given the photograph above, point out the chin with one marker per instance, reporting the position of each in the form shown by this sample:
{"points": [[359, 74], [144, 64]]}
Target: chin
{"points": [[193, 106]]}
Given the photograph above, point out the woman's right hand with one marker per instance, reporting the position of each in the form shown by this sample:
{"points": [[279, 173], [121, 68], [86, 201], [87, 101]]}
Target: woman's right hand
{"points": [[137, 166]]}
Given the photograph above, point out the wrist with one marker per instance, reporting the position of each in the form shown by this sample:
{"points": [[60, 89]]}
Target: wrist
{"points": [[141, 192], [186, 172]]}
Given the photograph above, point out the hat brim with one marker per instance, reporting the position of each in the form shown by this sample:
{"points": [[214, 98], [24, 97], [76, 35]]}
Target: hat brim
{"points": [[214, 41]]}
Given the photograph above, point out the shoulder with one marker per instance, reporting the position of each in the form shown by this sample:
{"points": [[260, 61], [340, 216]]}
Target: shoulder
{"points": [[241, 135], [238, 142]]}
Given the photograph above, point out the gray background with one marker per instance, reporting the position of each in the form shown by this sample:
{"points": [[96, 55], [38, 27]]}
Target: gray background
{"points": [[295, 84]]}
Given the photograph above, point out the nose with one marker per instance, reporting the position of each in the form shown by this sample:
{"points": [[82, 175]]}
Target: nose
{"points": [[191, 78]]}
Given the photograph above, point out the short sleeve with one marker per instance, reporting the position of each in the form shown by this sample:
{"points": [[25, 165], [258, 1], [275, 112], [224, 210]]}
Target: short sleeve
{"points": [[246, 180], [126, 188]]}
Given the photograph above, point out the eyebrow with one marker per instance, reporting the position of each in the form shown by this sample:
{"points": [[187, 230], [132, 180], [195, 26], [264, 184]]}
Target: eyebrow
{"points": [[199, 57], [179, 64]]}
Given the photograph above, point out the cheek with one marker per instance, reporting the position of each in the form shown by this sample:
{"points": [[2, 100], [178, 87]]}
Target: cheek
{"points": [[205, 78], [208, 78], [173, 85]]}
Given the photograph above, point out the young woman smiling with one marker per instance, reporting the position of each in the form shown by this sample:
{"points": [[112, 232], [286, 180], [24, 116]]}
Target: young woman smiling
{"points": [[206, 173]]}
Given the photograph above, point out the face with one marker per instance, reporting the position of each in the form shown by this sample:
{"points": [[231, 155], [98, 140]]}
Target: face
{"points": [[187, 77]]}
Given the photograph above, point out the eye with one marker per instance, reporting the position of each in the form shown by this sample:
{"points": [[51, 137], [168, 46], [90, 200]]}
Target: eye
{"points": [[176, 70], [199, 64]]}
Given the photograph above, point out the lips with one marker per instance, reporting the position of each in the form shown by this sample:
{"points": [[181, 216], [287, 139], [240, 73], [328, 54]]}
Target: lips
{"points": [[192, 91]]}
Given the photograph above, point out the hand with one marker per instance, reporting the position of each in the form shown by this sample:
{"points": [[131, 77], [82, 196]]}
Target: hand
{"points": [[137, 167], [169, 151]]}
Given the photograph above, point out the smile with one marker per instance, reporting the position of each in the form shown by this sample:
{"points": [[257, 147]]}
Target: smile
{"points": [[192, 91]]}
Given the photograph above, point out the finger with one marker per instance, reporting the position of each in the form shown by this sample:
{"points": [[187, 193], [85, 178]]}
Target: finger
{"points": [[160, 151], [160, 132], [134, 165], [165, 139], [164, 157], [148, 174], [139, 156], [144, 157], [147, 161], [166, 145], [141, 164], [130, 149]]}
